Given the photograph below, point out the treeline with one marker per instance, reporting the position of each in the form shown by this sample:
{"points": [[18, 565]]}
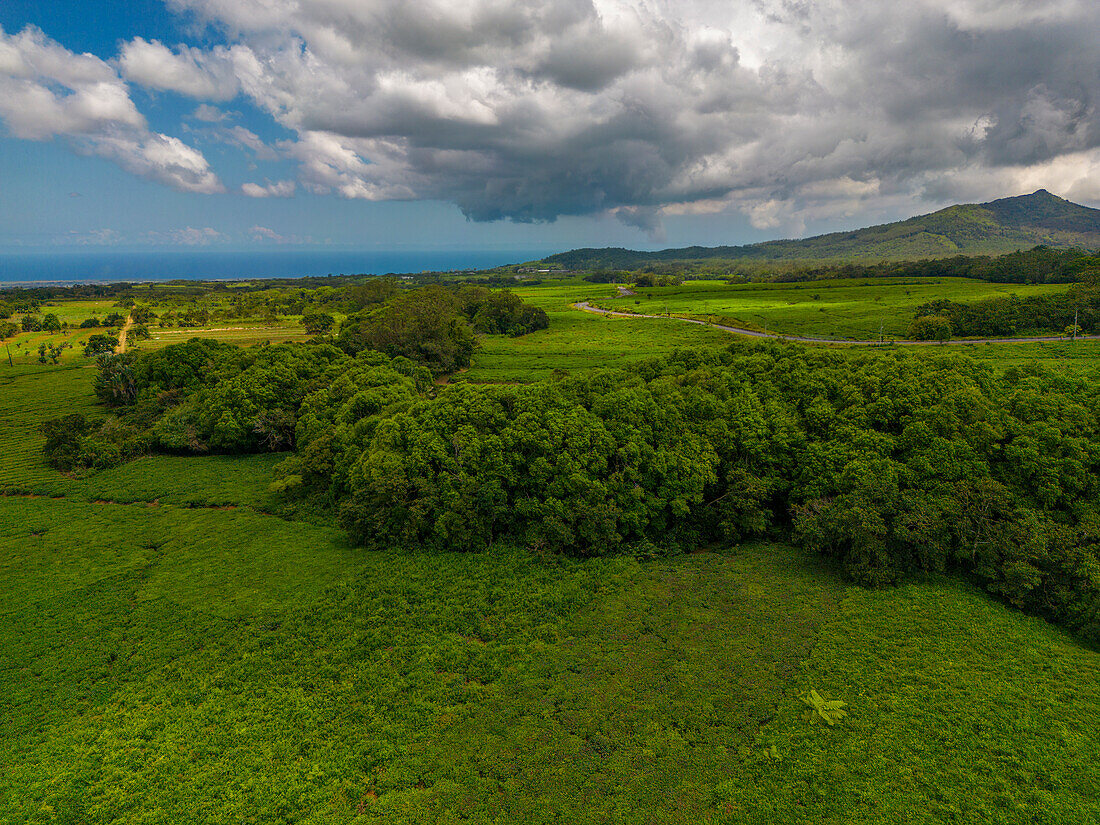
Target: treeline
{"points": [[1009, 315], [894, 464], [208, 396], [435, 325], [1039, 265]]}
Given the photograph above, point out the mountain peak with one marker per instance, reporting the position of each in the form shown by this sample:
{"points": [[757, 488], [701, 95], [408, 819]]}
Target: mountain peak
{"points": [[992, 228]]}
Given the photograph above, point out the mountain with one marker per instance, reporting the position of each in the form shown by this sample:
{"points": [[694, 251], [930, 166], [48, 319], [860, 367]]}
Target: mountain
{"points": [[993, 228]]}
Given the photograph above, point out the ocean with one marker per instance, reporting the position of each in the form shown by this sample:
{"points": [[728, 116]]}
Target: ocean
{"points": [[109, 267]]}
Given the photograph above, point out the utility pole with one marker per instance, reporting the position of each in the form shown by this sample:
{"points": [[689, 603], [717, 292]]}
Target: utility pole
{"points": [[10, 364]]}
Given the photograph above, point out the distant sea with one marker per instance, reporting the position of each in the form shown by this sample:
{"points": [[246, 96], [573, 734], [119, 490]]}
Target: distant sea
{"points": [[107, 267]]}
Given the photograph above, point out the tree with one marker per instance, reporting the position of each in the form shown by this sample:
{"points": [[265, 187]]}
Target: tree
{"points": [[51, 352], [424, 325], [371, 293], [930, 328], [31, 324], [318, 323], [50, 323], [100, 344], [115, 382]]}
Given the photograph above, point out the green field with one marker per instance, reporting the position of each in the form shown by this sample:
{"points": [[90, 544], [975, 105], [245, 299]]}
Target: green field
{"points": [[175, 652], [842, 308], [578, 341]]}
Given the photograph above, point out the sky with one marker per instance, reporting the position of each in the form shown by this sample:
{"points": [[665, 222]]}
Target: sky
{"points": [[517, 124]]}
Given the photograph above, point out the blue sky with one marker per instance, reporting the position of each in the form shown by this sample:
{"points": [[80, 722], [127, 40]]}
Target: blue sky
{"points": [[376, 124]]}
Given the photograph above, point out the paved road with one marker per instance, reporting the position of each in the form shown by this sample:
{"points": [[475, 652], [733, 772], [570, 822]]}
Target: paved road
{"points": [[752, 333]]}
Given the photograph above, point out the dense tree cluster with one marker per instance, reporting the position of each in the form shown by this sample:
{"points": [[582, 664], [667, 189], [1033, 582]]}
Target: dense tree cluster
{"points": [[435, 326], [896, 465], [1012, 315], [500, 312]]}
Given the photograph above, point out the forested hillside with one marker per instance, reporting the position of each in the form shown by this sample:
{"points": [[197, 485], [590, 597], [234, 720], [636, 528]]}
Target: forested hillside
{"points": [[992, 228]]}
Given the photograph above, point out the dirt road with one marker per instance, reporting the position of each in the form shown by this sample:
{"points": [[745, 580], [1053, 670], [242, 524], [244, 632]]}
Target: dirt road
{"points": [[122, 333]]}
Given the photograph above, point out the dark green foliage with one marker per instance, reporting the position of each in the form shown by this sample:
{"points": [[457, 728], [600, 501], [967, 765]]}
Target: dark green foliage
{"points": [[371, 293], [318, 323], [501, 312], [649, 279], [75, 444], [610, 276], [930, 328], [425, 325], [99, 344], [143, 314], [115, 382], [64, 438], [30, 323], [1013, 315], [50, 323], [894, 465], [203, 395], [8, 330], [90, 323]]}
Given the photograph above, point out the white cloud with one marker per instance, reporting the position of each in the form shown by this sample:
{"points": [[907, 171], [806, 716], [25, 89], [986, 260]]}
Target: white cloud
{"points": [[94, 237], [263, 234], [279, 189], [47, 91], [206, 75], [787, 111], [187, 236], [158, 157], [209, 114]]}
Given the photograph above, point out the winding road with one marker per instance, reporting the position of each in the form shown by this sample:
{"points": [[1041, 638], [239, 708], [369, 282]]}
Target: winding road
{"points": [[803, 339]]}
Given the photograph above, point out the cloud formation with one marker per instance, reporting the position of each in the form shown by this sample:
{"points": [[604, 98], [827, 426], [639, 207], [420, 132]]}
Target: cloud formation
{"points": [[188, 71], [785, 110], [279, 189], [48, 91]]}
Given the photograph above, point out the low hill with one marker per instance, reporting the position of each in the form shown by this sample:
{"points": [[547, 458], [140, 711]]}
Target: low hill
{"points": [[993, 228]]}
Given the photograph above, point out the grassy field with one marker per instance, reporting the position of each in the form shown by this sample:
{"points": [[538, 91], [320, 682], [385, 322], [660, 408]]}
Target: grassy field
{"points": [[847, 308], [578, 341], [173, 653]]}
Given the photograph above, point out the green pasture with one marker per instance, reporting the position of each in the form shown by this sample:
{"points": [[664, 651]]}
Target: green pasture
{"points": [[843, 308], [166, 664], [175, 652], [578, 341]]}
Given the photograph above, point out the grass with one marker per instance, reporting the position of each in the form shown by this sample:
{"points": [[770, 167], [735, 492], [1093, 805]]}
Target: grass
{"points": [[28, 396], [172, 653], [167, 664], [844, 308], [578, 341], [960, 711]]}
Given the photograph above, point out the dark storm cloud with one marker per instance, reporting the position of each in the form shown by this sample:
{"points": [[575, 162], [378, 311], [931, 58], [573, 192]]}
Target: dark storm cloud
{"points": [[786, 109]]}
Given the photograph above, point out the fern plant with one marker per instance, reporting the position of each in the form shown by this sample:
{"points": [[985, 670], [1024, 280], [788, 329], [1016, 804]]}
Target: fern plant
{"points": [[831, 710]]}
